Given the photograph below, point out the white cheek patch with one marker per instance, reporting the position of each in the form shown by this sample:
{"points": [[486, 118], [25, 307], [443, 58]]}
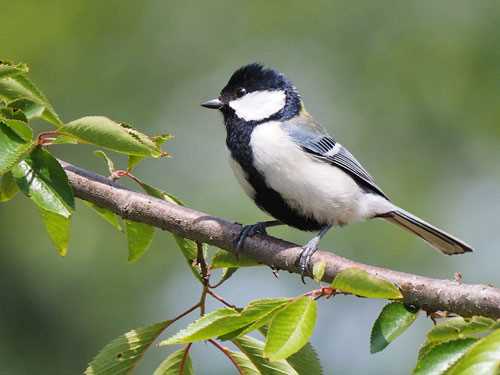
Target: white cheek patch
{"points": [[258, 105]]}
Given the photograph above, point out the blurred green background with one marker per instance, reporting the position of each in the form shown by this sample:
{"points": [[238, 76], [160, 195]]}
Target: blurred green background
{"points": [[412, 88]]}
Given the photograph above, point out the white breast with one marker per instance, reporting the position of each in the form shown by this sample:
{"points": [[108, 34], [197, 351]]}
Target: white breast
{"points": [[313, 187], [241, 176]]}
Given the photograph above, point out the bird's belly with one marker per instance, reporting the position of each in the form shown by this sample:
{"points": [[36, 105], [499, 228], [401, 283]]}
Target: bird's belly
{"points": [[311, 187]]}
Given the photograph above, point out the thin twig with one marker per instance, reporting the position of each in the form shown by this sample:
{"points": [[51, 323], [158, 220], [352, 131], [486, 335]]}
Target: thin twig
{"points": [[220, 299], [226, 353], [184, 358]]}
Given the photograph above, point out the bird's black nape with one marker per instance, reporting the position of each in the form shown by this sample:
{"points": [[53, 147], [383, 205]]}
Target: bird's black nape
{"points": [[255, 76]]}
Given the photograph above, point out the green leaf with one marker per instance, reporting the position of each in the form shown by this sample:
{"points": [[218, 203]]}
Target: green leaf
{"points": [[19, 127], [103, 132], [318, 271], [226, 274], [12, 114], [133, 161], [41, 178], [225, 320], [109, 162], [223, 259], [254, 348], [306, 361], [139, 237], [8, 187], [394, 319], [13, 148], [122, 354], [58, 228], [245, 366], [482, 358], [291, 328], [19, 92], [459, 328], [8, 69], [211, 325], [162, 138], [438, 358], [106, 214], [255, 315], [172, 364], [361, 283]]}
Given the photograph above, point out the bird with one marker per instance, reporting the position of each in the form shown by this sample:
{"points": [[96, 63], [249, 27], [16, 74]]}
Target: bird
{"points": [[290, 166]]}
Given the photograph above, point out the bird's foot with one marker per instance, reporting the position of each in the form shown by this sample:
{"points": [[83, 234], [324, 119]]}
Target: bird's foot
{"points": [[304, 258], [248, 231]]}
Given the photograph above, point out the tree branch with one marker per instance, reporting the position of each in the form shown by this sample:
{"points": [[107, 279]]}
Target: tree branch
{"points": [[429, 294]]}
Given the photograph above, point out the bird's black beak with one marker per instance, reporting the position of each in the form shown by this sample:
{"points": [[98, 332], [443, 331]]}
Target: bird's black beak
{"points": [[213, 104]]}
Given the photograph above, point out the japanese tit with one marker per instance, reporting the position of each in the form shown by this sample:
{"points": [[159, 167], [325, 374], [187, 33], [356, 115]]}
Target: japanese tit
{"points": [[296, 172]]}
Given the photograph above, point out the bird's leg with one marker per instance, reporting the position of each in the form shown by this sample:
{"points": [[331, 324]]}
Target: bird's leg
{"points": [[304, 259], [250, 230]]}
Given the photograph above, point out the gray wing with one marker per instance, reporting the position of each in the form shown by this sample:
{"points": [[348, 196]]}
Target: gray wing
{"points": [[316, 141]]}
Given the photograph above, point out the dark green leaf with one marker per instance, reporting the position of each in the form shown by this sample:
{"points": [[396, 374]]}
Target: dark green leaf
{"points": [[223, 259], [103, 132], [361, 283], [42, 178], [139, 237], [122, 354], [58, 228], [254, 348], [306, 361], [8, 187], [291, 328], [13, 148], [106, 214], [394, 319], [172, 364], [19, 92], [8, 69], [13, 114], [482, 358], [439, 358]]}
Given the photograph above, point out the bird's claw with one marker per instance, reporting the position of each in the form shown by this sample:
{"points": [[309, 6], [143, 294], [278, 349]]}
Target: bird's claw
{"points": [[304, 259], [248, 231]]}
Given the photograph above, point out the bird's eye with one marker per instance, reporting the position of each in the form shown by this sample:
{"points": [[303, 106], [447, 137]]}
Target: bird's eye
{"points": [[240, 92]]}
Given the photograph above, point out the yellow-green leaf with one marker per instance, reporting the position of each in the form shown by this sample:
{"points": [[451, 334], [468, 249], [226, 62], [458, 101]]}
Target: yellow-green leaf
{"points": [[318, 271], [58, 228], [245, 366], [482, 358], [139, 237], [8, 69], [172, 364], [122, 354], [459, 328], [8, 187], [359, 282], [291, 328], [19, 92], [438, 358], [107, 159], [103, 132], [254, 348], [223, 259], [394, 319]]}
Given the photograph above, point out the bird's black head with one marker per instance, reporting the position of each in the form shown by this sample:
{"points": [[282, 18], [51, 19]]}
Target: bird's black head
{"points": [[255, 94]]}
